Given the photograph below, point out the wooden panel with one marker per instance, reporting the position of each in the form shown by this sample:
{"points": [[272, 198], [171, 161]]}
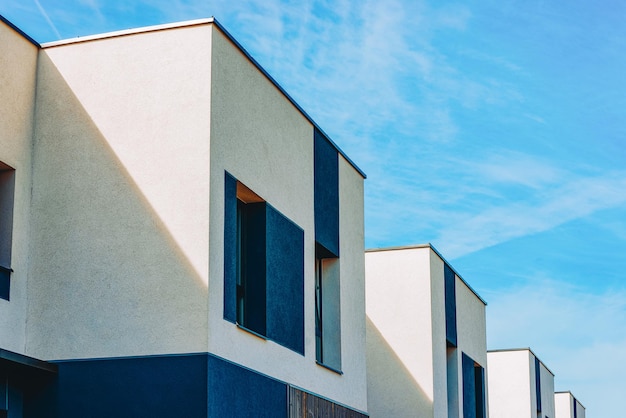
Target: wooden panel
{"points": [[306, 405]]}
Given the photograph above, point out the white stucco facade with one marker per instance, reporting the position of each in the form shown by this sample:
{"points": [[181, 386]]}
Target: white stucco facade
{"points": [[18, 65], [513, 381], [120, 145], [567, 406], [411, 371]]}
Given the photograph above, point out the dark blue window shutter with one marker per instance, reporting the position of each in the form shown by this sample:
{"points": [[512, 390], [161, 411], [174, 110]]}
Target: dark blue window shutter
{"points": [[326, 195], [479, 387], [230, 248], [285, 281], [538, 383], [469, 389], [450, 303]]}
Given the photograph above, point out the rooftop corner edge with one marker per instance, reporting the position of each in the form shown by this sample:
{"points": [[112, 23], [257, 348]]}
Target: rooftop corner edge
{"points": [[20, 31], [432, 247], [287, 95], [187, 23]]}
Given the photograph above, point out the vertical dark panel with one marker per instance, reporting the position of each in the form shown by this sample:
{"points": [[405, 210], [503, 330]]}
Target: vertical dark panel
{"points": [[326, 194], [538, 383], [305, 405], [5, 283], [237, 392], [450, 303], [479, 386], [253, 266], [575, 407], [469, 389], [285, 281], [230, 248]]}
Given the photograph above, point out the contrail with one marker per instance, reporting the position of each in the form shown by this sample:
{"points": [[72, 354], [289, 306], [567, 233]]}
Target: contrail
{"points": [[45, 15]]}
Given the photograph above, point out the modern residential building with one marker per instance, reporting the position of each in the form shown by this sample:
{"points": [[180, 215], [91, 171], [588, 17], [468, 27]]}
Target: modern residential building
{"points": [[520, 385], [567, 406], [177, 236], [426, 337]]}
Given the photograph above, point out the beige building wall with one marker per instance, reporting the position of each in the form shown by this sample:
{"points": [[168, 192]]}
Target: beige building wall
{"points": [[263, 140], [408, 361], [18, 65], [512, 392], [120, 206], [400, 350], [564, 405]]}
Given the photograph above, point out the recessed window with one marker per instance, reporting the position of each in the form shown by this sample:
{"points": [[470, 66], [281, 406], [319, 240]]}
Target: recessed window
{"points": [[327, 313], [263, 268], [473, 388], [7, 186]]}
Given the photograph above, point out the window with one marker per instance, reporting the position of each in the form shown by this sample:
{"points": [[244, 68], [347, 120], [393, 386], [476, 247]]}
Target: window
{"points": [[473, 389], [327, 313], [327, 284], [7, 185], [263, 268]]}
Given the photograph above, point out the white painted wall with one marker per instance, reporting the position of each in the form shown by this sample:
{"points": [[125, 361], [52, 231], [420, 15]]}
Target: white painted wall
{"points": [[263, 140], [399, 335], [120, 197], [564, 403], [18, 64], [509, 384], [406, 338]]}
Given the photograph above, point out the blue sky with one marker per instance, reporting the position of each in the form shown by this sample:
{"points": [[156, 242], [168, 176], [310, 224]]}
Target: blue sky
{"points": [[493, 129]]}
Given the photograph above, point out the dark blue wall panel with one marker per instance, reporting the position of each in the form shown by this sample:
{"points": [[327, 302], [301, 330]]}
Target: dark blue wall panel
{"points": [[236, 392], [285, 281], [479, 386], [469, 389], [326, 195], [538, 384], [230, 248], [450, 302], [159, 386]]}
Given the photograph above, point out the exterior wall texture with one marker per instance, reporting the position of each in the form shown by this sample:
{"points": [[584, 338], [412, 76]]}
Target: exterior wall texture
{"points": [[567, 406], [263, 140], [411, 371], [512, 385], [18, 64], [120, 209], [125, 155]]}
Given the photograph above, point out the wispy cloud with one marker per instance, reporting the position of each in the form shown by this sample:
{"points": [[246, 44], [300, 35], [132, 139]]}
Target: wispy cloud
{"points": [[45, 15], [580, 336], [574, 199]]}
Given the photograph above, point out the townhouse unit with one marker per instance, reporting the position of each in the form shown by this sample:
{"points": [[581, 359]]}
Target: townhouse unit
{"points": [[567, 406], [520, 385], [177, 236], [426, 337]]}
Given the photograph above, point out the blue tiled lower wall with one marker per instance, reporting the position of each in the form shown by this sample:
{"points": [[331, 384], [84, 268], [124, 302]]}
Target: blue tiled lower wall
{"points": [[193, 385], [156, 386]]}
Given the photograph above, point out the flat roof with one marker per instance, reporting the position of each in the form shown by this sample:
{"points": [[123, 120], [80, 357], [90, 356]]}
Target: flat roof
{"points": [[428, 245], [505, 350], [205, 21]]}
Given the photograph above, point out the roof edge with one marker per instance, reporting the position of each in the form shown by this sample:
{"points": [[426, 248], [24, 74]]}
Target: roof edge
{"points": [[287, 95], [432, 247], [504, 350], [206, 21], [20, 31], [125, 32]]}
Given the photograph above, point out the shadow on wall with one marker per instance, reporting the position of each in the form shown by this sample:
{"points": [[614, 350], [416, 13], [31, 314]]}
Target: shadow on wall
{"points": [[107, 277], [391, 389]]}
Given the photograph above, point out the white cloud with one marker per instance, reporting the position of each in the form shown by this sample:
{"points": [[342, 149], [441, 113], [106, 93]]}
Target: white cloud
{"points": [[580, 336]]}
